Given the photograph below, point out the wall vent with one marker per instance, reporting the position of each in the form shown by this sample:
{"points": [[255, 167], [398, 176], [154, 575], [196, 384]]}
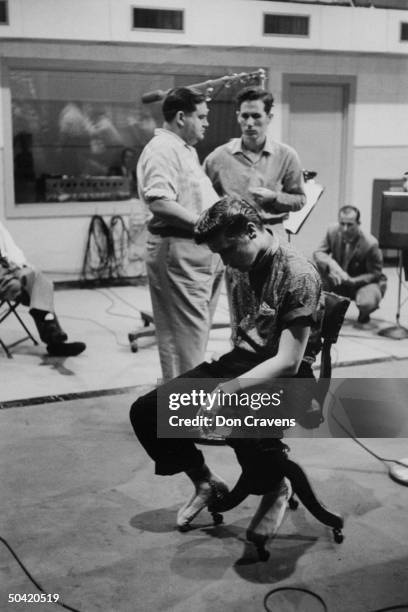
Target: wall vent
{"points": [[404, 31], [158, 19], [286, 25], [3, 12]]}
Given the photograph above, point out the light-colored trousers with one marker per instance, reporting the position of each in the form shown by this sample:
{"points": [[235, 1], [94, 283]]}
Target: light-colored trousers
{"points": [[185, 282], [27, 284]]}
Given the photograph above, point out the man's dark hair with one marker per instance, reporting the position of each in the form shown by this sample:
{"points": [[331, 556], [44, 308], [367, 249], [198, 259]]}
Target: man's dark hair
{"points": [[181, 99], [350, 209], [255, 93], [229, 216]]}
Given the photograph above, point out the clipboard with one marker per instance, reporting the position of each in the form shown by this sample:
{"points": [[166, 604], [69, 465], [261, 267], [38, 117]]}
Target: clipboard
{"points": [[296, 219]]}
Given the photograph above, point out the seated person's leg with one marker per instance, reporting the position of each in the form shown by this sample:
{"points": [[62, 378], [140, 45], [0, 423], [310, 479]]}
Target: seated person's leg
{"points": [[38, 295], [10, 287], [367, 300], [172, 456]]}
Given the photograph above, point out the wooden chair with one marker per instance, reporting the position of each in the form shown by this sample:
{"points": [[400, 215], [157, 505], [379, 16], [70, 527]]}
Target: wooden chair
{"points": [[8, 308]]}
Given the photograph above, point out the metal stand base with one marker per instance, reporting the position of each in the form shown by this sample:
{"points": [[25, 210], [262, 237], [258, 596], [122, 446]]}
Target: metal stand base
{"points": [[399, 472], [396, 332]]}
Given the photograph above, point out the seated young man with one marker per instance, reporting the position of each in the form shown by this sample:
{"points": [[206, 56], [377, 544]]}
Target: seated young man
{"points": [[21, 281], [282, 308], [350, 263]]}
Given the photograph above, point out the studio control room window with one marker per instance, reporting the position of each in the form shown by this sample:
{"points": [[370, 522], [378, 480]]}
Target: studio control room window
{"points": [[77, 136]]}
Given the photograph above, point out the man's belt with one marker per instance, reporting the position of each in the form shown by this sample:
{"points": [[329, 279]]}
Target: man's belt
{"points": [[170, 232], [273, 219]]}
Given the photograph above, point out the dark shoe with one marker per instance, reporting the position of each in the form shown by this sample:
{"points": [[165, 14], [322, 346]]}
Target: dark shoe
{"points": [[49, 329], [363, 318], [66, 349]]}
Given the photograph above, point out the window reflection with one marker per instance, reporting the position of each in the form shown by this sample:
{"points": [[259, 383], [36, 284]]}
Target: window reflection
{"points": [[77, 136], [83, 148]]}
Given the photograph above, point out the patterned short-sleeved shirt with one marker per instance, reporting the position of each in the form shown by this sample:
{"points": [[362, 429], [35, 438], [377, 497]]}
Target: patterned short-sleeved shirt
{"points": [[291, 290]]}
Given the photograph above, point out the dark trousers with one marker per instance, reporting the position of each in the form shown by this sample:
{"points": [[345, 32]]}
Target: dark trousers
{"points": [[179, 455]]}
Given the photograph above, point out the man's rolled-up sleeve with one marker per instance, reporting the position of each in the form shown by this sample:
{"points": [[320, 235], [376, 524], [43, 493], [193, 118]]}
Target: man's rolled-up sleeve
{"points": [[159, 178], [302, 300]]}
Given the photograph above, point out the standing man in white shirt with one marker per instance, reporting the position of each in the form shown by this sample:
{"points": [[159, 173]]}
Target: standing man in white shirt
{"points": [[184, 278]]}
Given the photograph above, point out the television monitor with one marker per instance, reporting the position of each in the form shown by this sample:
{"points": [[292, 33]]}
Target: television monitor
{"points": [[394, 220], [380, 185]]}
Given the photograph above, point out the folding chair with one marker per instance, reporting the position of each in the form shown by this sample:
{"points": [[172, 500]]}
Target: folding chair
{"points": [[6, 309]]}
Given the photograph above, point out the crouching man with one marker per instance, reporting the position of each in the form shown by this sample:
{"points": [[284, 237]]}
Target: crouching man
{"points": [[281, 310], [350, 263]]}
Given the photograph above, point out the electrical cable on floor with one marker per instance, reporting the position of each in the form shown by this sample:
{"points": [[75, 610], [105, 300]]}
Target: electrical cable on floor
{"points": [[95, 323], [32, 579], [265, 601], [121, 299], [107, 311], [320, 600], [384, 460], [299, 589], [354, 438]]}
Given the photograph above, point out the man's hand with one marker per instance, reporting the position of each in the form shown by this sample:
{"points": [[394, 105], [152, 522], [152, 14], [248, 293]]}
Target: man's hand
{"points": [[263, 196], [213, 406], [338, 276]]}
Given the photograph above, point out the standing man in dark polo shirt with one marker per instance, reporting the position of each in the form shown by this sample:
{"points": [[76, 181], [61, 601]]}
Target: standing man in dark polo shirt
{"points": [[265, 172]]}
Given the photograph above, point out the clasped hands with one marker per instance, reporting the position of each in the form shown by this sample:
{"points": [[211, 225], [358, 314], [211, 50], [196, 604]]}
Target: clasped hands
{"points": [[215, 405], [338, 276]]}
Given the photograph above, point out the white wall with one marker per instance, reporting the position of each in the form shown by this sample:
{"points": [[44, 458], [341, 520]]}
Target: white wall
{"points": [[380, 139], [333, 28]]}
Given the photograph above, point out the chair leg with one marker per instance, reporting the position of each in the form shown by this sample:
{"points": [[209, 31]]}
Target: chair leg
{"points": [[11, 308], [29, 334], [6, 350], [293, 502], [304, 491], [233, 498]]}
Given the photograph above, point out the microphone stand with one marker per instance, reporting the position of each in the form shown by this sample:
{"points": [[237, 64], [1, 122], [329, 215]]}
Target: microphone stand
{"points": [[210, 85], [397, 332]]}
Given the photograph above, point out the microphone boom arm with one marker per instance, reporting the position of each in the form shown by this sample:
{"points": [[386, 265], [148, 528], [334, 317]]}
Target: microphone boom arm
{"points": [[211, 84]]}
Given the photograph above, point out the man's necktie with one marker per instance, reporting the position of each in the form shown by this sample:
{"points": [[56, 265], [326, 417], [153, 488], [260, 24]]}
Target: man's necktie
{"points": [[346, 255]]}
